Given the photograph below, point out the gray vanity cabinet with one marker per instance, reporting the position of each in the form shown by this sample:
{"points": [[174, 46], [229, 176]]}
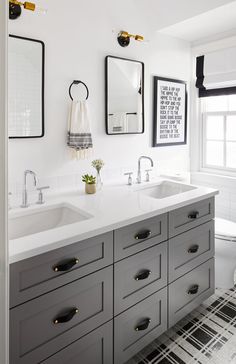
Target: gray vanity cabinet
{"points": [[139, 325], [190, 291], [190, 216], [139, 236], [101, 300], [94, 348], [45, 325], [139, 276], [35, 276], [190, 249]]}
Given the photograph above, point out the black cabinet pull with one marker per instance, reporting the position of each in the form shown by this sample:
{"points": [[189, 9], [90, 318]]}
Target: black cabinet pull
{"points": [[143, 235], [143, 325], [66, 317], [65, 266], [193, 289], [193, 215], [142, 275], [193, 249]]}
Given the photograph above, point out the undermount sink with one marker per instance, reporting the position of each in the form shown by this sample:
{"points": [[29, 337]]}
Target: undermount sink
{"points": [[44, 218], [166, 189]]}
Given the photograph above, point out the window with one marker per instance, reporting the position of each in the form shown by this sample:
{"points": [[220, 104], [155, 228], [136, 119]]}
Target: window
{"points": [[219, 132]]}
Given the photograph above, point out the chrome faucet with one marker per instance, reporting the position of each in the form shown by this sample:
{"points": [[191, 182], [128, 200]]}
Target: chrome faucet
{"points": [[139, 177], [25, 193]]}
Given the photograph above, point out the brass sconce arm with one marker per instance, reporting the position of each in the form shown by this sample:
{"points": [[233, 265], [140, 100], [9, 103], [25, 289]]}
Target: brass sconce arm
{"points": [[124, 38]]}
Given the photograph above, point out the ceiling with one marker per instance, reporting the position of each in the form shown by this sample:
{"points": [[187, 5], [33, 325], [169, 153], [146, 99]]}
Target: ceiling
{"points": [[213, 23], [190, 20]]}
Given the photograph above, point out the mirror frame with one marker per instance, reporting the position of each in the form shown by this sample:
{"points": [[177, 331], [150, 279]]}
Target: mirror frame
{"points": [[42, 90], [106, 93]]}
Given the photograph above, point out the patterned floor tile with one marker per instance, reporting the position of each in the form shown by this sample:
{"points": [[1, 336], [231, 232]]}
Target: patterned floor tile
{"points": [[206, 336]]}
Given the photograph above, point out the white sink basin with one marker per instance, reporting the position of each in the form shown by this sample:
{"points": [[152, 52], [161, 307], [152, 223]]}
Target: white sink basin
{"points": [[166, 189], [44, 218]]}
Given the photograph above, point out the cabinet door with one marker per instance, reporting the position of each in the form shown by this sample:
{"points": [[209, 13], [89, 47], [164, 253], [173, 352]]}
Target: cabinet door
{"points": [[94, 348], [35, 276], [136, 237], [139, 325], [139, 276], [47, 324], [190, 216], [190, 249], [190, 291]]}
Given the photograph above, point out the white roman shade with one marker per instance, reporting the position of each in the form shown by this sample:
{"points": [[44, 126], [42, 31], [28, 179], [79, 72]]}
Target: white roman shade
{"points": [[216, 72]]}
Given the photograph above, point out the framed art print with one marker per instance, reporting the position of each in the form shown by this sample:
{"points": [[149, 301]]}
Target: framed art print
{"points": [[170, 112]]}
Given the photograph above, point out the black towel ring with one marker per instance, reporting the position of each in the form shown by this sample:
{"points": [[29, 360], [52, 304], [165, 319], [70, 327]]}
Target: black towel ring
{"points": [[76, 82]]}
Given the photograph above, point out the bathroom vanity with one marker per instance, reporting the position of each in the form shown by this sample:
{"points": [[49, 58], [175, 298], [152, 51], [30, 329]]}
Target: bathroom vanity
{"points": [[101, 299]]}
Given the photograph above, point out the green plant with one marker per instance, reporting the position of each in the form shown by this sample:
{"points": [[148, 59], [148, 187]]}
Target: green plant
{"points": [[90, 180], [98, 164]]}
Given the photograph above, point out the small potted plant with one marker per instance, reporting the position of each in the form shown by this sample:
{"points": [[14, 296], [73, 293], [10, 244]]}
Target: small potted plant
{"points": [[98, 164], [90, 183]]}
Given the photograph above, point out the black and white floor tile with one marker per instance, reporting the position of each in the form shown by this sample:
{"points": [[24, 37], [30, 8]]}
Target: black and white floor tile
{"points": [[206, 336]]}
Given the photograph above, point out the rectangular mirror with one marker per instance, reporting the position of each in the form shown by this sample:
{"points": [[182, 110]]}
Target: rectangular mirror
{"points": [[124, 96], [25, 87]]}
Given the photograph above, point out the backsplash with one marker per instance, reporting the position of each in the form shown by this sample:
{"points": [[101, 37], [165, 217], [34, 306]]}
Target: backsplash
{"points": [[226, 200]]}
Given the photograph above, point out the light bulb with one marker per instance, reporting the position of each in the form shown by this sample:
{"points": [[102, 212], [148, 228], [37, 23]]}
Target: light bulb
{"points": [[40, 10]]}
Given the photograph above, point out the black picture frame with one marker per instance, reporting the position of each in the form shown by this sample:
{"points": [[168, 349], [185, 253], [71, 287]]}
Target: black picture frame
{"points": [[156, 117], [106, 94], [42, 91]]}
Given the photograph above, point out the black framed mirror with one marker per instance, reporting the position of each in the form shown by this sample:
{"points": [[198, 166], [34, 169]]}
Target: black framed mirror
{"points": [[25, 87], [124, 96]]}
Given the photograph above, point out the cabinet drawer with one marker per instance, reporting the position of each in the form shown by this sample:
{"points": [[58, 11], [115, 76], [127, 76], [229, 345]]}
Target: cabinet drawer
{"points": [[35, 276], [138, 326], [190, 216], [36, 328], [190, 291], [139, 276], [94, 348], [190, 249], [139, 236]]}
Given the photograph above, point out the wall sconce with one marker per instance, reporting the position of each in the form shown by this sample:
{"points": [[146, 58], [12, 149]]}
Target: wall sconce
{"points": [[15, 8], [124, 38]]}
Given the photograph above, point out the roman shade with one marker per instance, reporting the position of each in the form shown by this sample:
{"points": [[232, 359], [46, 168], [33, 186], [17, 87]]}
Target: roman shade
{"points": [[216, 73]]}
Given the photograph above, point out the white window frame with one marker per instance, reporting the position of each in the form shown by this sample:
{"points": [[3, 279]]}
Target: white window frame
{"points": [[204, 167]]}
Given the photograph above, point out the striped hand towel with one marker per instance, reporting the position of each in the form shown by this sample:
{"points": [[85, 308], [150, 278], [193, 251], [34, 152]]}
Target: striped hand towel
{"points": [[79, 138]]}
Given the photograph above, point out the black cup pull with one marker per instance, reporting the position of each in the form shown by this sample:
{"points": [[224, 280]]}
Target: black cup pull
{"points": [[193, 215], [193, 249], [143, 235], [142, 275], [143, 325], [193, 289], [66, 317], [65, 266]]}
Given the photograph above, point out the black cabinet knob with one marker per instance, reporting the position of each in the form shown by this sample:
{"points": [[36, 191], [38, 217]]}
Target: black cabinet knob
{"points": [[194, 289], [142, 275], [143, 235], [66, 265], [66, 317], [193, 215], [193, 249], [143, 325]]}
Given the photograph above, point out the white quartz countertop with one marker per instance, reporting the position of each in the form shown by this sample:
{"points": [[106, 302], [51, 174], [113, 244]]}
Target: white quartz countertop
{"points": [[113, 207]]}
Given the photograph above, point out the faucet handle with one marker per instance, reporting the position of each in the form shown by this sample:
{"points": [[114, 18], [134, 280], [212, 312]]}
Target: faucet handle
{"points": [[147, 174], [40, 199], [130, 181]]}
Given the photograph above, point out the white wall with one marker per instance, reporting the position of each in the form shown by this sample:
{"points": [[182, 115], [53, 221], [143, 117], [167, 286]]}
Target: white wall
{"points": [[77, 39], [3, 191]]}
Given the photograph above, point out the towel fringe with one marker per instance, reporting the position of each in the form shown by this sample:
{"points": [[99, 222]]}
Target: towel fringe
{"points": [[81, 154]]}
